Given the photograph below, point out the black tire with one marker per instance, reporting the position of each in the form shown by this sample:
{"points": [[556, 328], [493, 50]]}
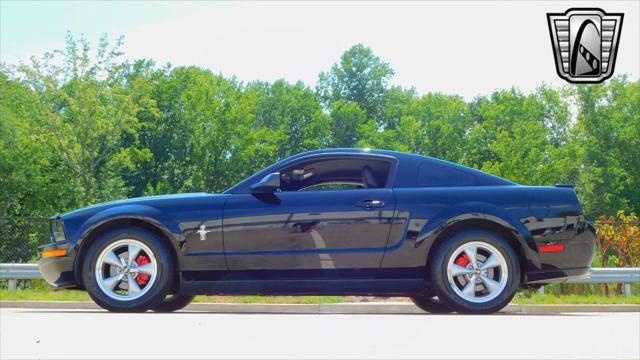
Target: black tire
{"points": [[173, 303], [431, 304], [444, 289], [162, 285]]}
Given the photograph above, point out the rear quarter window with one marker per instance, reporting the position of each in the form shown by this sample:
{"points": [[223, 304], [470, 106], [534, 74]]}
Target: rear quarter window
{"points": [[434, 175]]}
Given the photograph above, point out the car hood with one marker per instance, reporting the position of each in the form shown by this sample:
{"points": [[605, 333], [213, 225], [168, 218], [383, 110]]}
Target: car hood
{"points": [[146, 200]]}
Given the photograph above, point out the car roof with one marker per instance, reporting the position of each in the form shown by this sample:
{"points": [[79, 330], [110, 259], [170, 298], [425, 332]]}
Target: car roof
{"points": [[361, 151], [350, 150], [403, 157]]}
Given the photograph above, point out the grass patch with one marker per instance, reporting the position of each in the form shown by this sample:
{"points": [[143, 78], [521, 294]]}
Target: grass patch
{"points": [[76, 295], [521, 298], [534, 298], [43, 295]]}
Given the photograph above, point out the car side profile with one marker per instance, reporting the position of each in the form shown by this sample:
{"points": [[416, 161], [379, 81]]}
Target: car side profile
{"points": [[328, 222]]}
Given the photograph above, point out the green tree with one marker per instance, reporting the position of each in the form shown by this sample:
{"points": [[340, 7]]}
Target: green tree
{"points": [[142, 79], [89, 117], [348, 123], [294, 115], [195, 138], [521, 137], [360, 77], [396, 102], [444, 121], [608, 129], [80, 127], [31, 181], [433, 125]]}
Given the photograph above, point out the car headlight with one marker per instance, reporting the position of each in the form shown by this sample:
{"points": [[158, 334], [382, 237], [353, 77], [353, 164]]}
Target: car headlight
{"points": [[57, 231]]}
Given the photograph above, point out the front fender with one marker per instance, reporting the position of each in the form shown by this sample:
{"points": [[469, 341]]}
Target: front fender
{"points": [[144, 213]]}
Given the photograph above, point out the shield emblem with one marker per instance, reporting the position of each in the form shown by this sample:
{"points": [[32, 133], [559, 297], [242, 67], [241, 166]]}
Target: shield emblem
{"points": [[585, 43]]}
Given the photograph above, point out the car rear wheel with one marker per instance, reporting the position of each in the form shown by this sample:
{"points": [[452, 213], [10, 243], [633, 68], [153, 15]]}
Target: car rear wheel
{"points": [[128, 270], [431, 304], [475, 272], [173, 303]]}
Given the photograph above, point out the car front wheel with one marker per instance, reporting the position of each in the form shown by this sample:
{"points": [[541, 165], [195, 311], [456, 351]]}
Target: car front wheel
{"points": [[475, 272], [128, 270]]}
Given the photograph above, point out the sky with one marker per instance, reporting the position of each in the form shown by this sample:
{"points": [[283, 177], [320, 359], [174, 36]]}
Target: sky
{"points": [[455, 47]]}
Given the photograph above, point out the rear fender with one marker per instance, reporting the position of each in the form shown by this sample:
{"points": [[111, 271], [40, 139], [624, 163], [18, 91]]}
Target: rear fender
{"points": [[480, 211]]}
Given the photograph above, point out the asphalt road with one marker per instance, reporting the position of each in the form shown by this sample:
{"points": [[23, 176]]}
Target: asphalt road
{"points": [[95, 334]]}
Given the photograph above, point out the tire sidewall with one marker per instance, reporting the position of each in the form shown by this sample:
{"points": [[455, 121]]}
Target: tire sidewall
{"points": [[443, 288], [164, 276]]}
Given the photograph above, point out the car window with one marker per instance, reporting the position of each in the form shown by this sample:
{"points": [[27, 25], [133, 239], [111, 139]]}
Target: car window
{"points": [[435, 175], [339, 173], [332, 186]]}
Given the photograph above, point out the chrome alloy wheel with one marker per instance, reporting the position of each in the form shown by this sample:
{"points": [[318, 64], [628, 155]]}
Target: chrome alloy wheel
{"points": [[477, 272], [126, 270]]}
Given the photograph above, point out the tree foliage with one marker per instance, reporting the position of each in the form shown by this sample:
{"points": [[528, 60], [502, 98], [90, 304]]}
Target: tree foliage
{"points": [[618, 240], [81, 126], [86, 117], [360, 77]]}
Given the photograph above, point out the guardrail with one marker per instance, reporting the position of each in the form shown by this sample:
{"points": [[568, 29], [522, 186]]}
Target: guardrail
{"points": [[626, 276], [14, 272]]}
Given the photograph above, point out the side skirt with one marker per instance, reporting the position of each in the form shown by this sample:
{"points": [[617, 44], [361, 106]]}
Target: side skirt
{"points": [[371, 287]]}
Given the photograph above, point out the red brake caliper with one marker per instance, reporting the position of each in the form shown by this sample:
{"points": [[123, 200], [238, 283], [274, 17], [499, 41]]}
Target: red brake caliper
{"points": [[142, 279], [462, 260]]}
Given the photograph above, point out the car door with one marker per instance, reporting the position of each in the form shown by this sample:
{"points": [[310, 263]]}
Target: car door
{"points": [[333, 229], [343, 223]]}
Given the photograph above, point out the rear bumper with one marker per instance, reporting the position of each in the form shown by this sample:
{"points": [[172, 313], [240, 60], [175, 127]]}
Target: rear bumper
{"points": [[573, 261], [58, 271], [556, 275]]}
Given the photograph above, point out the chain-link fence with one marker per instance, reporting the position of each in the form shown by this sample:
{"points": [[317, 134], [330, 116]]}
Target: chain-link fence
{"points": [[21, 236]]}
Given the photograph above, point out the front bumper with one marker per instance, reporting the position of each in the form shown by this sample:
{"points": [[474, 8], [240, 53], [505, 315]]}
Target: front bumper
{"points": [[58, 271]]}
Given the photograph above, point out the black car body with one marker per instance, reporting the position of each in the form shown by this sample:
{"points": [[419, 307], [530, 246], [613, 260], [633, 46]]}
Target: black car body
{"points": [[337, 221]]}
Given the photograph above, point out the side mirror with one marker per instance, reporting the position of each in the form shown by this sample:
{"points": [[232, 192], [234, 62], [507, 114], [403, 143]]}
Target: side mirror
{"points": [[268, 185]]}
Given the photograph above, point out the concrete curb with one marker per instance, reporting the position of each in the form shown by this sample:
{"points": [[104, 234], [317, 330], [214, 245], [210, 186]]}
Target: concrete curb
{"points": [[340, 308]]}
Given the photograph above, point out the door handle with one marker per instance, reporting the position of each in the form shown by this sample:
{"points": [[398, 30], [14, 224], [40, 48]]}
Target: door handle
{"points": [[370, 204]]}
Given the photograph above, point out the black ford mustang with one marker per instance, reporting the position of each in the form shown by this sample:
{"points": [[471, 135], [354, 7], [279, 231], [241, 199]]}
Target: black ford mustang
{"points": [[337, 221]]}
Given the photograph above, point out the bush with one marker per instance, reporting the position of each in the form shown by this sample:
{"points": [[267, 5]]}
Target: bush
{"points": [[618, 240]]}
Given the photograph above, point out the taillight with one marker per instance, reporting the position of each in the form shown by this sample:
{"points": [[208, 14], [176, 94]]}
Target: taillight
{"points": [[551, 248]]}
